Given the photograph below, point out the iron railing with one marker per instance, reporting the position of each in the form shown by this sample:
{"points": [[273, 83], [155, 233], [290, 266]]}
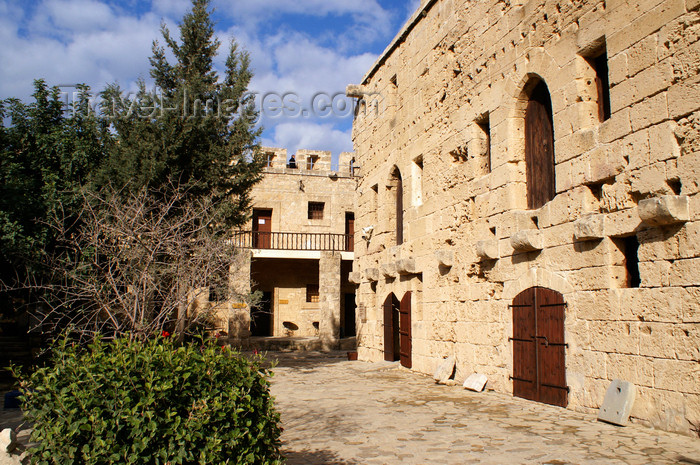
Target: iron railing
{"points": [[293, 241]]}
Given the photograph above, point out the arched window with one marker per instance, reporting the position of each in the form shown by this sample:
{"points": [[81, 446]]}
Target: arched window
{"points": [[396, 185], [539, 147]]}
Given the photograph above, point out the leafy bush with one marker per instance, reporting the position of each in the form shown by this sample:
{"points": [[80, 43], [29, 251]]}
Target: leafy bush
{"points": [[151, 402]]}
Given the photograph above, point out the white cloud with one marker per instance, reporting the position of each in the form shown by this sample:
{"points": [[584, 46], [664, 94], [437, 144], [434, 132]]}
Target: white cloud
{"points": [[99, 42], [72, 16], [369, 19]]}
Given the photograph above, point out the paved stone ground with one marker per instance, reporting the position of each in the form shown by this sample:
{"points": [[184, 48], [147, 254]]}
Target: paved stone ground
{"points": [[345, 413]]}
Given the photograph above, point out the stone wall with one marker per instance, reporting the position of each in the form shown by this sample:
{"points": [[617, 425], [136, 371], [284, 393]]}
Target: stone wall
{"points": [[446, 104]]}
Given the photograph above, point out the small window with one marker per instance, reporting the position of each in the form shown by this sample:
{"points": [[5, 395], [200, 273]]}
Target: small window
{"points": [[316, 210], [598, 60], [417, 194], [269, 159], [311, 162], [312, 293], [483, 126], [629, 246], [600, 64]]}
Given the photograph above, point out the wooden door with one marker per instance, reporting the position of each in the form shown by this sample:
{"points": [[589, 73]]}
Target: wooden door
{"points": [[349, 231], [262, 229], [391, 328], [539, 358], [405, 330], [539, 148]]}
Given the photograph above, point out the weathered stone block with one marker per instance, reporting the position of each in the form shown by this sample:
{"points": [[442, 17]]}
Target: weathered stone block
{"points": [[372, 274], [475, 382], [445, 257], [526, 240], [406, 266], [487, 250], [356, 91], [590, 227], [389, 269], [8, 440], [667, 209], [445, 370], [618, 402], [355, 277]]}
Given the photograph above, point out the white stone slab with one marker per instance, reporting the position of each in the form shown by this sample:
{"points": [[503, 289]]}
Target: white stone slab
{"points": [[444, 370], [618, 403], [475, 382]]}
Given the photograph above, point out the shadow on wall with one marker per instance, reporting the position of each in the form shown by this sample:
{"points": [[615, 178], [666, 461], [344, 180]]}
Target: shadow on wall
{"points": [[315, 457]]}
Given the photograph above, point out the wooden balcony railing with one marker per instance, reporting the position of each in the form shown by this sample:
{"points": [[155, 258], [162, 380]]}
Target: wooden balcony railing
{"points": [[293, 241]]}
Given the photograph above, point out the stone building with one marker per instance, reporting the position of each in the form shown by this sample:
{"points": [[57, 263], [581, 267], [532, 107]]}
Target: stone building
{"points": [[530, 178], [300, 247]]}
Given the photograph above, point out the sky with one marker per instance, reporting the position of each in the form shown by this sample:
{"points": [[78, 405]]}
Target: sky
{"points": [[303, 51]]}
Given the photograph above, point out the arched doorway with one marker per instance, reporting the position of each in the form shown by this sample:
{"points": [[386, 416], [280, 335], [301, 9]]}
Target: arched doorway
{"points": [[539, 348], [539, 147]]}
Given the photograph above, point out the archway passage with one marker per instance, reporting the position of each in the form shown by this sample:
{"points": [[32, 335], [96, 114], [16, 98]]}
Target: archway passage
{"points": [[539, 357], [539, 148], [391, 328], [405, 330]]}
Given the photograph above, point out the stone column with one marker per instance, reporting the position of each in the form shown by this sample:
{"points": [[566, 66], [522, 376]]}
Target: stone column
{"points": [[239, 279], [329, 298]]}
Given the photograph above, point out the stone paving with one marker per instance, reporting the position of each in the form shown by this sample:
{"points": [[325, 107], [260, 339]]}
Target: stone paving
{"points": [[345, 413]]}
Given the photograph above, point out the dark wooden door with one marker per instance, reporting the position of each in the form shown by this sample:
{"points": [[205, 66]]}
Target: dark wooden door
{"points": [[391, 328], [539, 148], [349, 231], [539, 357], [405, 330], [262, 229]]}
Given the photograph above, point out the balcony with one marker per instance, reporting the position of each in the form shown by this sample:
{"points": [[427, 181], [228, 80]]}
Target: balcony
{"points": [[293, 241]]}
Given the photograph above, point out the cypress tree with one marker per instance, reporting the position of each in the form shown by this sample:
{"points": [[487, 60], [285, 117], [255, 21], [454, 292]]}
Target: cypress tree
{"points": [[196, 132]]}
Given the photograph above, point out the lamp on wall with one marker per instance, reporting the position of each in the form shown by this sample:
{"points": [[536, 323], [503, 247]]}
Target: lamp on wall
{"points": [[301, 185]]}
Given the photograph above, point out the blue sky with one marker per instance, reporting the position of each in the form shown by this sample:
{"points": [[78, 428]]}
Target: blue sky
{"points": [[312, 48]]}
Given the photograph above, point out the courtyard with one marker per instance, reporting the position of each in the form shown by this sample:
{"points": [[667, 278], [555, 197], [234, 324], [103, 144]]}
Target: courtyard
{"points": [[343, 412]]}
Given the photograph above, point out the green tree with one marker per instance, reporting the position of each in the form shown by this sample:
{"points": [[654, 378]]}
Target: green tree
{"points": [[46, 155], [195, 131]]}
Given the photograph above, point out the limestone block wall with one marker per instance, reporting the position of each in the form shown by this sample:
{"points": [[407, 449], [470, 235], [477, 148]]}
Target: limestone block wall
{"points": [[445, 105], [287, 193]]}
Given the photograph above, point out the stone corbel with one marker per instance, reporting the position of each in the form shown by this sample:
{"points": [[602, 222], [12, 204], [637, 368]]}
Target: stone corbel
{"points": [[356, 91], [590, 227], [355, 277], [667, 209], [372, 274], [406, 266], [445, 257], [389, 269], [526, 240], [487, 249]]}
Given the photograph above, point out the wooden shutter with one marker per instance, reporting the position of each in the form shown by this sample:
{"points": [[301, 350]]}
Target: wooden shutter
{"points": [[539, 148], [524, 355], [405, 330], [551, 347], [388, 329]]}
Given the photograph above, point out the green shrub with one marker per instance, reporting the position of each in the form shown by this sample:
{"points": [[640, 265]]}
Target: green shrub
{"points": [[152, 402]]}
